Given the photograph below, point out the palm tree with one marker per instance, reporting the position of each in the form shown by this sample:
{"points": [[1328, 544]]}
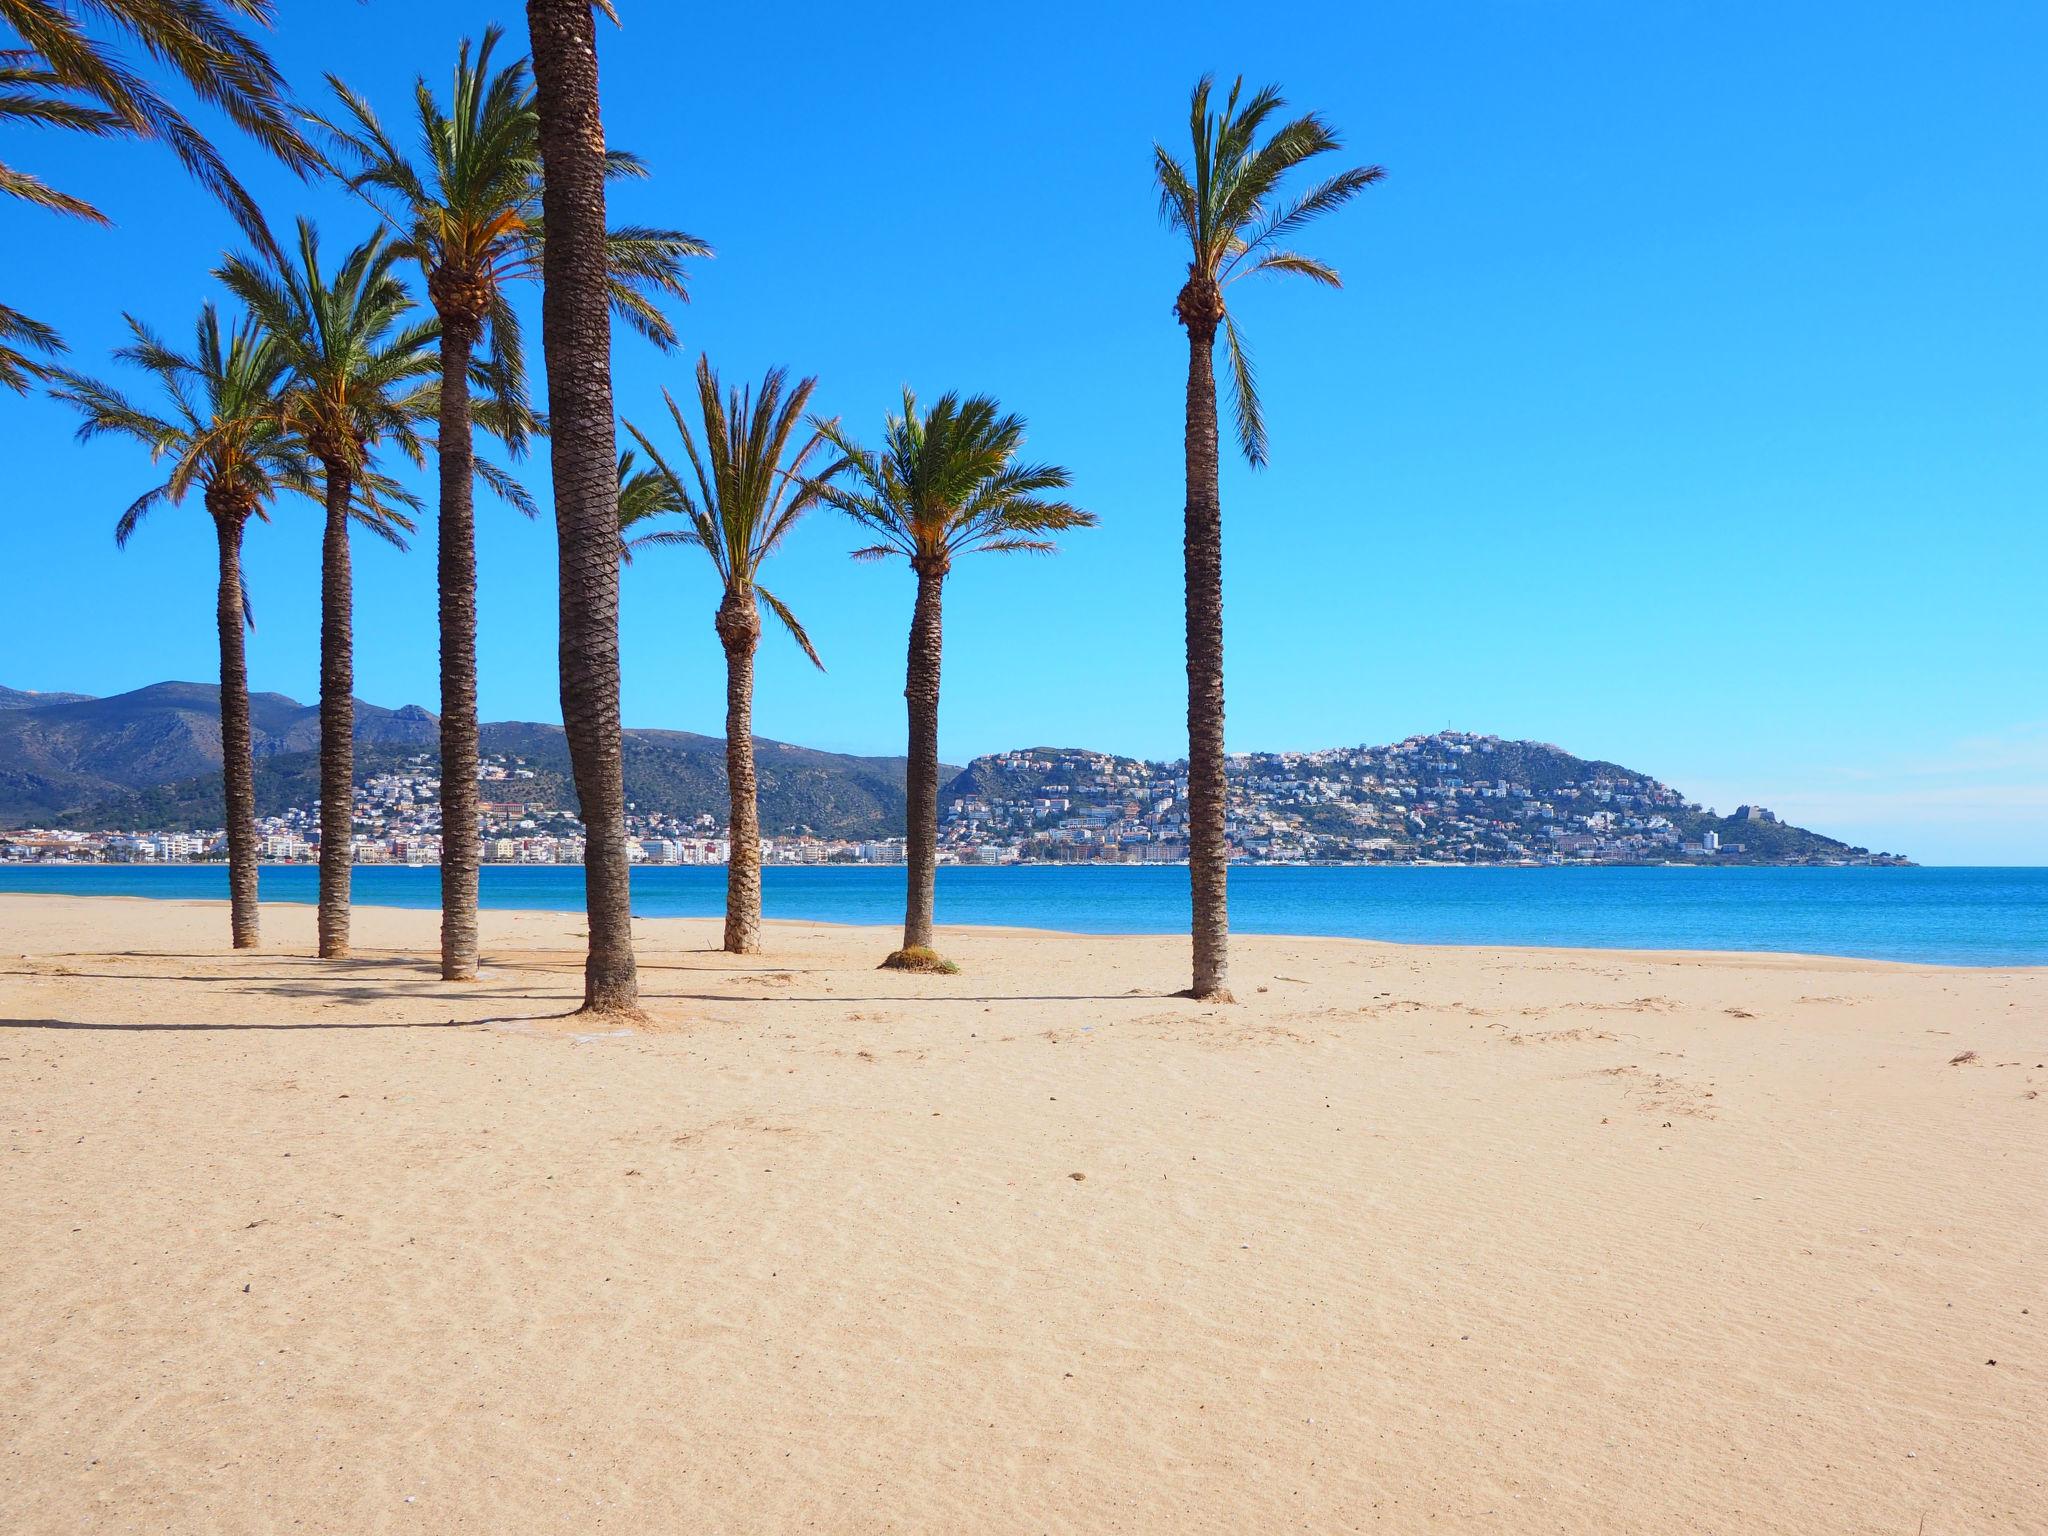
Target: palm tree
{"points": [[357, 367], [221, 432], [1237, 224], [576, 336], [750, 491], [59, 73], [944, 483], [470, 214]]}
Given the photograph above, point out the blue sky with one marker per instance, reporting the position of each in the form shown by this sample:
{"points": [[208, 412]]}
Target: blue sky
{"points": [[1684, 405]]}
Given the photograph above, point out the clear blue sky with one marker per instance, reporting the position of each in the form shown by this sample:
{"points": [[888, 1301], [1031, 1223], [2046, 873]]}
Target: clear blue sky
{"points": [[1684, 405]]}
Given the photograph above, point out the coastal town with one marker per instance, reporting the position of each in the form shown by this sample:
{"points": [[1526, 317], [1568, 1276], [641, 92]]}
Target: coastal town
{"points": [[396, 820], [1445, 798]]}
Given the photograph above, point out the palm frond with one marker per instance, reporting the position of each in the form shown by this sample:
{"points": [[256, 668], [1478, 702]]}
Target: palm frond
{"points": [[508, 489], [1178, 208], [666, 538], [1244, 396], [1324, 197], [21, 335], [125, 526], [32, 189], [645, 494], [69, 77], [1295, 264], [781, 611]]}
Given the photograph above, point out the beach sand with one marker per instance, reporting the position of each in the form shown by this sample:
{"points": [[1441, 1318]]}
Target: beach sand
{"points": [[1410, 1240]]}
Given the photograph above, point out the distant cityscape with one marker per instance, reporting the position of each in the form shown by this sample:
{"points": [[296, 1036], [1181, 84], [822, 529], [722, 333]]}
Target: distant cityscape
{"points": [[397, 820], [1448, 798]]}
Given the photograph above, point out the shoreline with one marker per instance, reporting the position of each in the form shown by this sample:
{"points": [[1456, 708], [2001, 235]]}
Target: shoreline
{"points": [[1060, 864], [886, 940]]}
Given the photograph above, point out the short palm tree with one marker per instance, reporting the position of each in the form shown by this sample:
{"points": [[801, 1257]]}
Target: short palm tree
{"points": [[748, 487], [945, 482], [576, 335], [221, 432], [1230, 207], [469, 212], [61, 68], [358, 370]]}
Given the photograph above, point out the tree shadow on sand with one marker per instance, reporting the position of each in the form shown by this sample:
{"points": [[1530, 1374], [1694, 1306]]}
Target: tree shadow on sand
{"points": [[101, 1024]]}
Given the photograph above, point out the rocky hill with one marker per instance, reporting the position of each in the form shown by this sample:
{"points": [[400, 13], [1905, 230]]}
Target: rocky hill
{"points": [[1451, 797]]}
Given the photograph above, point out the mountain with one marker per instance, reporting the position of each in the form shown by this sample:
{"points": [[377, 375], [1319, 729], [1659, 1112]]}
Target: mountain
{"points": [[61, 757], [1451, 797], [151, 758], [28, 698]]}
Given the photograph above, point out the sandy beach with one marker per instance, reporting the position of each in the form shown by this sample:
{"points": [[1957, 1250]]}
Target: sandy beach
{"points": [[1409, 1240]]}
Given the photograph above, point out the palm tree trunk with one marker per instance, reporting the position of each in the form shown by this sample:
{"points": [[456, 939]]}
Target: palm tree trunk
{"points": [[921, 772], [238, 762], [739, 630], [1208, 841], [576, 337], [337, 715], [459, 823]]}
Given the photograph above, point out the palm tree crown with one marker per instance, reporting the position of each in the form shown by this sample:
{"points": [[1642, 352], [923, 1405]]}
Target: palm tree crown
{"points": [[221, 431], [946, 482], [358, 365], [469, 212], [750, 490], [1238, 224]]}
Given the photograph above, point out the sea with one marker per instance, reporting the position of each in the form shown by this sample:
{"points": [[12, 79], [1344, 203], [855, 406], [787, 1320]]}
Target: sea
{"points": [[1941, 916]]}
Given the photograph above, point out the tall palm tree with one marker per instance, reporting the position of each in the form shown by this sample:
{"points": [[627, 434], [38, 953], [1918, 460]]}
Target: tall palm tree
{"points": [[221, 432], [1238, 224], [469, 212], [576, 336], [357, 370], [750, 490], [944, 483], [61, 67]]}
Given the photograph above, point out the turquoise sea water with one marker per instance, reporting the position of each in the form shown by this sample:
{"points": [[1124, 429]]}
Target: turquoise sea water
{"points": [[1937, 916]]}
